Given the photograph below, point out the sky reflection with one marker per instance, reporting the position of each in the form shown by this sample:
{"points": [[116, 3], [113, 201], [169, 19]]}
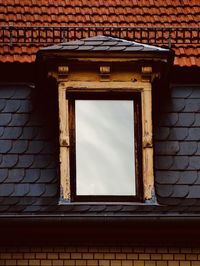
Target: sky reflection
{"points": [[105, 162]]}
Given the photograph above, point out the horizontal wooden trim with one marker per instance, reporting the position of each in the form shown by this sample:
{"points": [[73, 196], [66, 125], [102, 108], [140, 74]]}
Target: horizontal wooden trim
{"points": [[104, 85], [101, 95]]}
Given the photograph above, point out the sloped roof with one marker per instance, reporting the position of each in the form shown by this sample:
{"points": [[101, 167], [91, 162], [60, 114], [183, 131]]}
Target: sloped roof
{"points": [[105, 44], [107, 13], [126, 13]]}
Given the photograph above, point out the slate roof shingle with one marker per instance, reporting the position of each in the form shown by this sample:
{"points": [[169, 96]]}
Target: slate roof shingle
{"points": [[172, 13], [105, 44], [29, 180], [177, 146], [28, 156]]}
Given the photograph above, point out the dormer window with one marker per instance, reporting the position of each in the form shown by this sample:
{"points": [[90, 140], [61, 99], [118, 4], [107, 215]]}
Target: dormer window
{"points": [[105, 115], [105, 154]]}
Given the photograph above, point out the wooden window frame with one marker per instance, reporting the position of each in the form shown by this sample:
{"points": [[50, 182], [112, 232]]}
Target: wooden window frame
{"points": [[136, 98], [144, 86]]}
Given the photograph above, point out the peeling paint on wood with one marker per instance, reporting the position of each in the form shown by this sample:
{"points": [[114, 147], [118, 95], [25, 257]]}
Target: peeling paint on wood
{"points": [[92, 83]]}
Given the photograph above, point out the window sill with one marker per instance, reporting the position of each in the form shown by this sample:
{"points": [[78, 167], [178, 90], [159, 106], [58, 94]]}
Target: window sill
{"points": [[116, 203]]}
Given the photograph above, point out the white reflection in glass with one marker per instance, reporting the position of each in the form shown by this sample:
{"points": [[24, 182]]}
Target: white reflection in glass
{"points": [[105, 162]]}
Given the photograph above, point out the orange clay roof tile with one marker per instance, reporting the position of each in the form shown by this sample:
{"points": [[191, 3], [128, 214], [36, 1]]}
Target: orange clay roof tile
{"points": [[166, 13]]}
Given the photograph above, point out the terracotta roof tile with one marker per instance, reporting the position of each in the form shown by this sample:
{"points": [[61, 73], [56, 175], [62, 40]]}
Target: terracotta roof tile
{"points": [[100, 13]]}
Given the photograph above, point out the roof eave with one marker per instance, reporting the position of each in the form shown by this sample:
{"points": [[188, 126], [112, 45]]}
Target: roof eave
{"points": [[69, 55], [142, 229]]}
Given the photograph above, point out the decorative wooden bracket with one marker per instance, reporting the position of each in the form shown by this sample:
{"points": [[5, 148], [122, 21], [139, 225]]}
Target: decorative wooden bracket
{"points": [[63, 71], [146, 73], [105, 73]]}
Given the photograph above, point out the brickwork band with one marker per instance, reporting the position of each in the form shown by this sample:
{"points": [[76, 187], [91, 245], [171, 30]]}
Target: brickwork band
{"points": [[99, 256]]}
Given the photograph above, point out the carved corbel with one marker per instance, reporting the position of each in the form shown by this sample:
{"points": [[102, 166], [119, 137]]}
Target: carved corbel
{"points": [[63, 71], [105, 73], [146, 73]]}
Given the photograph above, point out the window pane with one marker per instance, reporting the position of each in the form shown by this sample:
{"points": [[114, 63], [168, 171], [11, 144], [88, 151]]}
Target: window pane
{"points": [[105, 162]]}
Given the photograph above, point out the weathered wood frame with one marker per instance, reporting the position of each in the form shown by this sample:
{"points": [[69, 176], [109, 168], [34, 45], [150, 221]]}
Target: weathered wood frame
{"points": [[145, 88]]}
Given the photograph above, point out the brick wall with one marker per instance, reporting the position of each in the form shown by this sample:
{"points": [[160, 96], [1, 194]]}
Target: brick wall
{"points": [[100, 256]]}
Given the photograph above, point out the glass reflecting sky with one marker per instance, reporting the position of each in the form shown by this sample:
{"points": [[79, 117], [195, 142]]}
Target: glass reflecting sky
{"points": [[105, 162]]}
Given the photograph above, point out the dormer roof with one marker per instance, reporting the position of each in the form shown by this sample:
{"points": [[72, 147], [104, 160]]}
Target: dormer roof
{"points": [[102, 43]]}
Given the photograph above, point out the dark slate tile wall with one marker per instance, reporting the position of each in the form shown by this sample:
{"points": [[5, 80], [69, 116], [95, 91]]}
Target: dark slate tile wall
{"points": [[29, 178], [177, 148], [28, 150]]}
